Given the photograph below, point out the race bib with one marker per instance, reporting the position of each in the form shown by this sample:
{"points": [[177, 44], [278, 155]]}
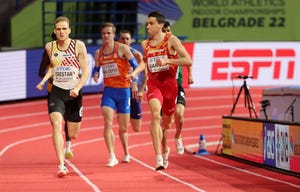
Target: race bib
{"points": [[154, 67], [63, 73], [110, 70]]}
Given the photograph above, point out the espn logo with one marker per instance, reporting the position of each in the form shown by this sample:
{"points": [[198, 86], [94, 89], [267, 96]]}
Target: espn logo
{"points": [[227, 63]]}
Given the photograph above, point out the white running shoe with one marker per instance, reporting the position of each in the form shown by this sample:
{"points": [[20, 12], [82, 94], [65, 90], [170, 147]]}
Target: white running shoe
{"points": [[179, 146], [159, 163], [62, 171], [126, 159], [112, 162], [166, 158]]}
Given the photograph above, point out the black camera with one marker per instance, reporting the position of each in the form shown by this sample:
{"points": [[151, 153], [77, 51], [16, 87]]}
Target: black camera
{"points": [[265, 103]]}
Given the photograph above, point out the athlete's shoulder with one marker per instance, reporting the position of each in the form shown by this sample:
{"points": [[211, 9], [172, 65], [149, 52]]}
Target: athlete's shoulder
{"points": [[121, 45], [97, 51], [79, 42], [124, 49], [49, 44], [173, 38], [145, 43]]}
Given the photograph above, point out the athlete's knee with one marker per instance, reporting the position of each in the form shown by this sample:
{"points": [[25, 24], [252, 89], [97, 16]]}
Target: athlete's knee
{"points": [[73, 136], [73, 129], [56, 124], [73, 133], [178, 117], [135, 124], [156, 116], [123, 126], [107, 129], [137, 128], [56, 129], [167, 121], [122, 130]]}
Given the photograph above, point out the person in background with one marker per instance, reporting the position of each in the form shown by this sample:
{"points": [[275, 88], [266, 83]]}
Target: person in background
{"points": [[68, 57], [113, 57], [135, 102], [161, 52], [44, 65], [180, 101]]}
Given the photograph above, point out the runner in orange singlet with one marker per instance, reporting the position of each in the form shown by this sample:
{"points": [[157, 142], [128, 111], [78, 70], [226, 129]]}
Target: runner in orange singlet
{"points": [[135, 101], [113, 58]]}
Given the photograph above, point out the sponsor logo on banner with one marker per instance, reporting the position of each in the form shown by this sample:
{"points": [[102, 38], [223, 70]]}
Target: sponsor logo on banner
{"points": [[282, 146], [269, 144], [265, 63], [294, 144], [229, 63]]}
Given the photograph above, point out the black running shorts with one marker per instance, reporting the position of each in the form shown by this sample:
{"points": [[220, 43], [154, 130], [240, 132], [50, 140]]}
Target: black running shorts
{"points": [[61, 101], [180, 96]]}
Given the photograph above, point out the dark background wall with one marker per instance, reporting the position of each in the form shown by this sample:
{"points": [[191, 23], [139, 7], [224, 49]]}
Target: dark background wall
{"points": [[7, 10]]}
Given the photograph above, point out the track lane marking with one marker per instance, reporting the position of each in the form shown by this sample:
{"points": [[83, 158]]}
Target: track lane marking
{"points": [[192, 146], [92, 185]]}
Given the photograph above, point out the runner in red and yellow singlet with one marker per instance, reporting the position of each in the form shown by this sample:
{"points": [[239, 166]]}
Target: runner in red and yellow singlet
{"points": [[160, 55]]}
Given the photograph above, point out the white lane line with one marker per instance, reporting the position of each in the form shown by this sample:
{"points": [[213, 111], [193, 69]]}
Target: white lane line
{"points": [[142, 163], [97, 117], [23, 141], [86, 180], [90, 141], [248, 172], [92, 185], [82, 176], [189, 149], [162, 172], [33, 114], [186, 129], [25, 103]]}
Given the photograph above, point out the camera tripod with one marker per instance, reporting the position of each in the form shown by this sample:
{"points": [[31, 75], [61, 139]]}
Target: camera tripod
{"points": [[248, 102], [291, 107], [264, 105]]}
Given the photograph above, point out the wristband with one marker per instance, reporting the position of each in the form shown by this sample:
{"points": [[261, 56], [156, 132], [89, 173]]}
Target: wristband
{"points": [[135, 80], [133, 63], [95, 70]]}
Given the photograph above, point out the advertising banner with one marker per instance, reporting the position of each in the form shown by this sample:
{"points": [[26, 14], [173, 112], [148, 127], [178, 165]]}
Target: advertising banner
{"points": [[269, 142], [227, 20], [265, 63], [247, 142], [226, 136], [214, 65], [13, 75], [294, 143]]}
